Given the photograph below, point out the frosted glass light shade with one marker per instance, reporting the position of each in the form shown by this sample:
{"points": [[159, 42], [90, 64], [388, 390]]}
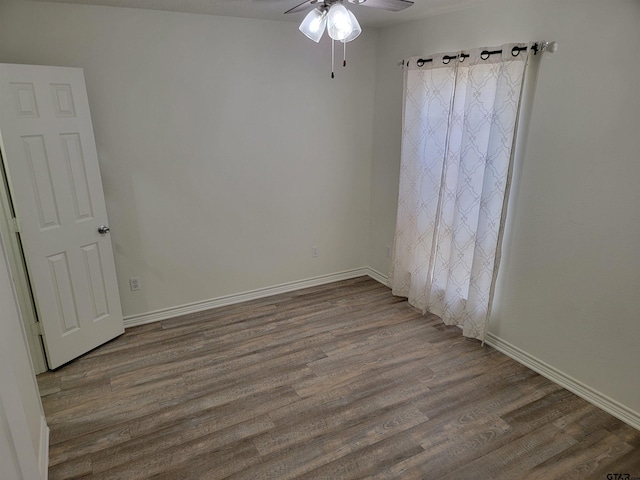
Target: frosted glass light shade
{"points": [[313, 24], [339, 23], [356, 28]]}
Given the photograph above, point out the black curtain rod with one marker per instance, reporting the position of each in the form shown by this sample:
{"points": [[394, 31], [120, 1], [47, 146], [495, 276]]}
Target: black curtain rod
{"points": [[515, 51]]}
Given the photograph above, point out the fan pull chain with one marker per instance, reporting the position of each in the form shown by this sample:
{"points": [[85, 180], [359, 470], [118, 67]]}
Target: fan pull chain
{"points": [[344, 55], [333, 48]]}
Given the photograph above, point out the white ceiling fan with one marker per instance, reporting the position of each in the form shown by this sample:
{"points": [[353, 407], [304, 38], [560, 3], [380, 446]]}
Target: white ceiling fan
{"points": [[391, 5], [340, 23]]}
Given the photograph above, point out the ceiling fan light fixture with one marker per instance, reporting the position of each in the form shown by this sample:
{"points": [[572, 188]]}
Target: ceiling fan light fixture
{"points": [[356, 31], [314, 24], [339, 23]]}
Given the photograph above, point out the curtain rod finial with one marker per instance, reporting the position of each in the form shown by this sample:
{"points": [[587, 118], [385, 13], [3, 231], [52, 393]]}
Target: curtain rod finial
{"points": [[551, 47]]}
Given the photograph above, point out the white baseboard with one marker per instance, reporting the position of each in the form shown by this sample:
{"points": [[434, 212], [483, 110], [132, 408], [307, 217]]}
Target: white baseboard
{"points": [[166, 313], [43, 460], [377, 276], [589, 394]]}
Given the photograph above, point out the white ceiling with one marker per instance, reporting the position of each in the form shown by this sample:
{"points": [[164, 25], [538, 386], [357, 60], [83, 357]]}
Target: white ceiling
{"points": [[274, 9]]}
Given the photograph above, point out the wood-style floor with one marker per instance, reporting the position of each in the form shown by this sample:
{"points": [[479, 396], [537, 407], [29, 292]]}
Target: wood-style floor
{"points": [[335, 382]]}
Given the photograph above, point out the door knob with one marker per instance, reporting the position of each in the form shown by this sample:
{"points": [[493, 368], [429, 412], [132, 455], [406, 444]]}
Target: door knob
{"points": [[103, 229]]}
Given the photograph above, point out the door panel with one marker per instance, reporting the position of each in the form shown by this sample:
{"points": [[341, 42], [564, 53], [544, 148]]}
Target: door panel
{"points": [[52, 164]]}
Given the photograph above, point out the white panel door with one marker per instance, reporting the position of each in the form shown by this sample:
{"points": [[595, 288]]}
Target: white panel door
{"points": [[51, 157]]}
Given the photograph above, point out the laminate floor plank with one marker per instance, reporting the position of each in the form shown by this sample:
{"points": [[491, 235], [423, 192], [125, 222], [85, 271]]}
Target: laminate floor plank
{"points": [[337, 381], [72, 469], [582, 459], [127, 342], [248, 325], [339, 414], [89, 392], [517, 458], [175, 461], [362, 386], [90, 369], [261, 370], [446, 443], [388, 450], [299, 459], [628, 463], [85, 445], [154, 446], [237, 457]]}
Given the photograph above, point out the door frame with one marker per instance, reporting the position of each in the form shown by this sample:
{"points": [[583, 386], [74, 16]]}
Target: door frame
{"points": [[9, 232]]}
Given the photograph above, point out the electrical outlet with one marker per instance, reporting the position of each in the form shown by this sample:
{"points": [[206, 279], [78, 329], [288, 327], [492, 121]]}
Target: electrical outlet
{"points": [[134, 283], [314, 252]]}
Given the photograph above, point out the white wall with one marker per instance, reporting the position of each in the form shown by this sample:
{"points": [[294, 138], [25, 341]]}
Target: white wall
{"points": [[23, 434], [570, 282], [226, 149]]}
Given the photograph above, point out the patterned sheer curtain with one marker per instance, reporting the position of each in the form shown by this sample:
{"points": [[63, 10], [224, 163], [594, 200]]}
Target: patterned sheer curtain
{"points": [[459, 122]]}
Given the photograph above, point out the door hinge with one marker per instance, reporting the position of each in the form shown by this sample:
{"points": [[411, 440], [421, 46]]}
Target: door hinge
{"points": [[36, 329], [15, 225]]}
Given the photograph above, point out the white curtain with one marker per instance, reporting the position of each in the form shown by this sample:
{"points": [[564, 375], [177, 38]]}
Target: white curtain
{"points": [[459, 122]]}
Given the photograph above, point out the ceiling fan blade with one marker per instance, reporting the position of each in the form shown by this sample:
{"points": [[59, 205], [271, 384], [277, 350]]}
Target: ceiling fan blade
{"points": [[302, 7], [391, 5]]}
